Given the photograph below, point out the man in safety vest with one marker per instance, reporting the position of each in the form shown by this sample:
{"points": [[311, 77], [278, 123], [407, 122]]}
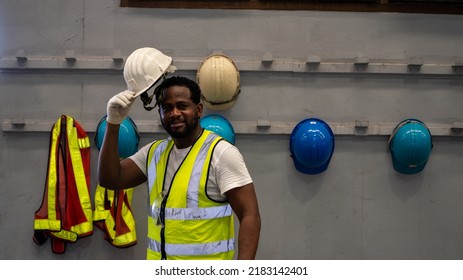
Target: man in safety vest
{"points": [[196, 179]]}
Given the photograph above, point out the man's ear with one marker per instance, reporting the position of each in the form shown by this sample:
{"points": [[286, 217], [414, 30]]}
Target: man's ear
{"points": [[199, 109]]}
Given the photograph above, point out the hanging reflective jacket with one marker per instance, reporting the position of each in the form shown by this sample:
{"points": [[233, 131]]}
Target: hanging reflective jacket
{"points": [[113, 215], [66, 211], [183, 222]]}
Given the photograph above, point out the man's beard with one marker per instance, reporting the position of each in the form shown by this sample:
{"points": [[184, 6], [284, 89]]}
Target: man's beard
{"points": [[189, 128]]}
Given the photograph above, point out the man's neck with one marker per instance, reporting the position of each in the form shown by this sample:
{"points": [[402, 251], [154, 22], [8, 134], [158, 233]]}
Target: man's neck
{"points": [[182, 143]]}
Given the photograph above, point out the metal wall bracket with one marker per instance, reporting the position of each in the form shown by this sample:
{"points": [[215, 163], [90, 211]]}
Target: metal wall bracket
{"points": [[313, 60], [117, 58], [263, 124], [70, 56], [361, 63], [313, 63], [414, 65], [267, 58], [457, 129], [361, 127], [21, 56], [458, 66]]}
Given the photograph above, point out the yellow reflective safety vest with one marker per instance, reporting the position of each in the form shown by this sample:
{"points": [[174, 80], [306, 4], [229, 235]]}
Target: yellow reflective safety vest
{"points": [[113, 215], [66, 211], [183, 222]]}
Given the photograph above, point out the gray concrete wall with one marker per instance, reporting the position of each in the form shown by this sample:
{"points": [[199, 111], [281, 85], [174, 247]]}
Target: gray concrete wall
{"points": [[360, 208]]}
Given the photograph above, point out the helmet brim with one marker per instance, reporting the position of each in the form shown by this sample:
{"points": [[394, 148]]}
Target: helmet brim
{"points": [[219, 107], [405, 169], [169, 70], [138, 93], [311, 171]]}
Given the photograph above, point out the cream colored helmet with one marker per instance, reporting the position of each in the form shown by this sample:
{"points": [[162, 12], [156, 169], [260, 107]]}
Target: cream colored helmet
{"points": [[219, 80], [144, 67]]}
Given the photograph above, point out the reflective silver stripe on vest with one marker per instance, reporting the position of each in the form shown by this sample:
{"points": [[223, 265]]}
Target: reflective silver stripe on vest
{"points": [[193, 184], [152, 166], [194, 213], [193, 249]]}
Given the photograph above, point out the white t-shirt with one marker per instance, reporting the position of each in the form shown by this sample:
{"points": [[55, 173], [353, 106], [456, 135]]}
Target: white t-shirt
{"points": [[227, 169]]}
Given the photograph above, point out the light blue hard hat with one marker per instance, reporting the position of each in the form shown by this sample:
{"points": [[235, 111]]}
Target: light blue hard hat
{"points": [[311, 146], [128, 136], [410, 144], [220, 125]]}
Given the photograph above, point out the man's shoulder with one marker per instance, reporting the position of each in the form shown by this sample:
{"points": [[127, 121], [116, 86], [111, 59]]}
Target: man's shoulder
{"points": [[224, 150], [224, 145]]}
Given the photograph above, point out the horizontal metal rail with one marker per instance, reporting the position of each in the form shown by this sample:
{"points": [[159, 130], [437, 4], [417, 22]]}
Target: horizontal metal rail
{"points": [[267, 63], [259, 127]]}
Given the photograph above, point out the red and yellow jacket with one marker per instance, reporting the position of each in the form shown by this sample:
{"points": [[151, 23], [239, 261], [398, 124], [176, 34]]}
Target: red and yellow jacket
{"points": [[66, 211]]}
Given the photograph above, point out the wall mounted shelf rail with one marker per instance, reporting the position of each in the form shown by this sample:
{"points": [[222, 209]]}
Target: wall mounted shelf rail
{"points": [[259, 127], [311, 64]]}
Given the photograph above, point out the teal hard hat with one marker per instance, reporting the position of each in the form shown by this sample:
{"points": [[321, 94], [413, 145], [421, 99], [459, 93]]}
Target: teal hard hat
{"points": [[220, 125], [311, 146], [128, 136], [410, 144]]}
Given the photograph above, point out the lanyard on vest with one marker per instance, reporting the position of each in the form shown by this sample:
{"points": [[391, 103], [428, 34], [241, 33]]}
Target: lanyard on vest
{"points": [[65, 213]]}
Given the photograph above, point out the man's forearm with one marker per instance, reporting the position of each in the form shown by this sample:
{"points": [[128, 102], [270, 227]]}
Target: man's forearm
{"points": [[248, 237], [108, 162]]}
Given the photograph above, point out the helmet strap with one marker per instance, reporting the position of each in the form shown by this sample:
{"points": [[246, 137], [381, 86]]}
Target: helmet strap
{"points": [[147, 99]]}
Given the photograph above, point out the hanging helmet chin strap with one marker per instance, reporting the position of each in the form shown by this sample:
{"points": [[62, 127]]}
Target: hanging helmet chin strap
{"points": [[394, 132], [147, 99], [404, 122]]}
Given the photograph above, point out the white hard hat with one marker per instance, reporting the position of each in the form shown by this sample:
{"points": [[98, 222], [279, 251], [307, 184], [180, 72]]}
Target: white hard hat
{"points": [[219, 80], [144, 67]]}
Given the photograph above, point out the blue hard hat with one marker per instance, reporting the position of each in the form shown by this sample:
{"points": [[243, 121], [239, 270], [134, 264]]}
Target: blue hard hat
{"points": [[220, 125], [410, 144], [128, 136], [311, 146]]}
